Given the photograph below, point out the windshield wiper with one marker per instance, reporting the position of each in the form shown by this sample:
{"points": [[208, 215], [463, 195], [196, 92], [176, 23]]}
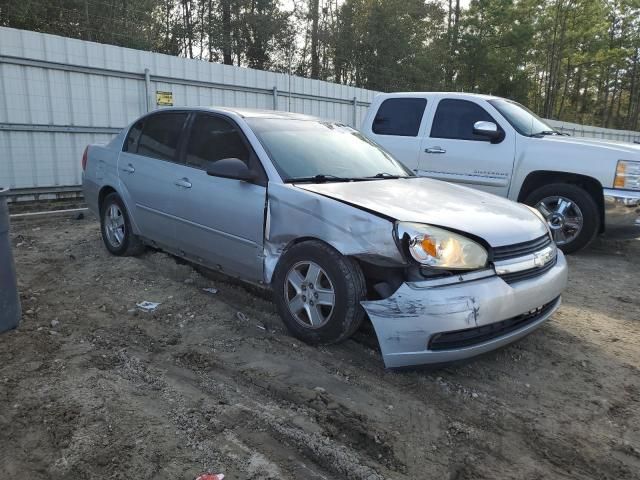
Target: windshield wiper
{"points": [[320, 178], [550, 132], [385, 176], [324, 178]]}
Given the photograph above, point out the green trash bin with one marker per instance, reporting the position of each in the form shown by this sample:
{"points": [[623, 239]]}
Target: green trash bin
{"points": [[10, 311]]}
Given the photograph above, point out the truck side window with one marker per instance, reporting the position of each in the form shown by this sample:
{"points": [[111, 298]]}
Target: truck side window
{"points": [[213, 138], [399, 116], [454, 119], [131, 143], [161, 135]]}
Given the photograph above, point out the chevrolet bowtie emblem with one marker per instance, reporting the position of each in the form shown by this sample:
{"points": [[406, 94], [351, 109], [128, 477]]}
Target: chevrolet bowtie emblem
{"points": [[541, 258]]}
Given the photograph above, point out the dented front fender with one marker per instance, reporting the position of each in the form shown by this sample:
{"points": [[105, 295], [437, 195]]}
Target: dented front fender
{"points": [[293, 213]]}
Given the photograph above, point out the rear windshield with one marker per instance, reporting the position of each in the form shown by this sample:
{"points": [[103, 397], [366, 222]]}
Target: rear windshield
{"points": [[305, 148]]}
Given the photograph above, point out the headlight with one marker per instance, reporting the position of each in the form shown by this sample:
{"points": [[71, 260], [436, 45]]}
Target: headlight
{"points": [[627, 175], [441, 248]]}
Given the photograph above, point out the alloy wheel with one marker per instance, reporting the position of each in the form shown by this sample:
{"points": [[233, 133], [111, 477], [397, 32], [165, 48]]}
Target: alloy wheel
{"points": [[114, 225], [310, 294], [563, 216]]}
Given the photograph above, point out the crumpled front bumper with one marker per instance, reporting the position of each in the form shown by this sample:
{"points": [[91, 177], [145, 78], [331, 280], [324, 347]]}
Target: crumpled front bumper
{"points": [[406, 321]]}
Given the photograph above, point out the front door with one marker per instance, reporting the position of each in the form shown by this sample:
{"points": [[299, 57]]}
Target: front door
{"points": [[452, 152], [147, 169], [221, 219]]}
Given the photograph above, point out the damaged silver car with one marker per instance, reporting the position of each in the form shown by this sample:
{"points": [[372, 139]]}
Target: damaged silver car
{"points": [[335, 226]]}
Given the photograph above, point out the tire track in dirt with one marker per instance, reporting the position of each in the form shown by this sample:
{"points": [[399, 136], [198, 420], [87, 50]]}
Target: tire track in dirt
{"points": [[311, 439]]}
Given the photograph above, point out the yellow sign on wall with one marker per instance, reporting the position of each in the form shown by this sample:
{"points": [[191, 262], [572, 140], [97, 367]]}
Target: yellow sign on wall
{"points": [[164, 98]]}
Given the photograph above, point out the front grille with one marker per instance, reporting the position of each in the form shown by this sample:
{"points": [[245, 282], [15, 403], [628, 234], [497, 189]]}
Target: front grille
{"points": [[474, 336], [527, 274], [520, 249]]}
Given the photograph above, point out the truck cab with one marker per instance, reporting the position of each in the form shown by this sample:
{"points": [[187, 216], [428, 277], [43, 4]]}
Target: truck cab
{"points": [[581, 186]]}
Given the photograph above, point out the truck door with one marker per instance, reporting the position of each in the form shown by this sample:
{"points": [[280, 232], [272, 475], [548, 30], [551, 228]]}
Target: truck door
{"points": [[451, 151], [397, 128]]}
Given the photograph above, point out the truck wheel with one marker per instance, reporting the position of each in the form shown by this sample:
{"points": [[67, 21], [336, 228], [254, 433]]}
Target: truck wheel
{"points": [[317, 292], [571, 213], [117, 234]]}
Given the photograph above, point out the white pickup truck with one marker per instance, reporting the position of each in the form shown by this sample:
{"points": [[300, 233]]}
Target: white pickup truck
{"points": [[581, 186]]}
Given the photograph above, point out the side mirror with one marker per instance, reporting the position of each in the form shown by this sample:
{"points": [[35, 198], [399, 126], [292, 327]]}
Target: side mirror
{"points": [[231, 168], [489, 130]]}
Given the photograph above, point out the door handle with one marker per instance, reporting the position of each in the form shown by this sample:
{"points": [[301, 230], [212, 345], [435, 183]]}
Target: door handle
{"points": [[183, 182], [435, 150], [128, 169]]}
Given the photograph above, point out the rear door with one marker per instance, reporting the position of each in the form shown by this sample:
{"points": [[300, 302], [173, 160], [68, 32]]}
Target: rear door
{"points": [[221, 219], [147, 172], [450, 150]]}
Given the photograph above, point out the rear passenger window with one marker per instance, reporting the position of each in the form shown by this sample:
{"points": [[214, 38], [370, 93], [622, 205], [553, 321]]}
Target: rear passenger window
{"points": [[131, 144], [399, 116], [213, 138], [455, 118], [161, 135]]}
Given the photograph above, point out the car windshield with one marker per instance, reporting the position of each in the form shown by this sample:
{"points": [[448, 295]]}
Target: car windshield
{"points": [[313, 150], [521, 118]]}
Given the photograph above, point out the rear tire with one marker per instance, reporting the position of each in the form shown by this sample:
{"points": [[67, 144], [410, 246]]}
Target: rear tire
{"points": [[317, 292], [571, 212], [117, 234]]}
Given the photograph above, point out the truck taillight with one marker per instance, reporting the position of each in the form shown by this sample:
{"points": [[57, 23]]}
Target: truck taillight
{"points": [[84, 158]]}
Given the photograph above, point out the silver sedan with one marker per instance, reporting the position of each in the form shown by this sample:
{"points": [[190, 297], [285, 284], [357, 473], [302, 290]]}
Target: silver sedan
{"points": [[336, 227]]}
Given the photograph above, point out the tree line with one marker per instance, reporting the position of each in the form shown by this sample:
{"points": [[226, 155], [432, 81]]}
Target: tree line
{"points": [[573, 60]]}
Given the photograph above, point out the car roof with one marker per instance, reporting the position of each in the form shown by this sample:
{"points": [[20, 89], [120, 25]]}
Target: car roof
{"points": [[447, 94], [247, 112], [259, 113]]}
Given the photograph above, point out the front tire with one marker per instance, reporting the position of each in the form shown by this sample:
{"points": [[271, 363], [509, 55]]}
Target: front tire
{"points": [[317, 292], [571, 213], [117, 234]]}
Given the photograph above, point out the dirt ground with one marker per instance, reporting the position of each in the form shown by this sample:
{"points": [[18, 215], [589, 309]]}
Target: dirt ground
{"points": [[90, 387]]}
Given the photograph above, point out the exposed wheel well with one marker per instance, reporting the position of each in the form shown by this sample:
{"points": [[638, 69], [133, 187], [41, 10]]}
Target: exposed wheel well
{"points": [[295, 241], [291, 243], [542, 177], [375, 275], [104, 191]]}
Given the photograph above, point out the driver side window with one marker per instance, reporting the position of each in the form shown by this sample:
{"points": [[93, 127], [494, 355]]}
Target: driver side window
{"points": [[454, 119], [213, 138]]}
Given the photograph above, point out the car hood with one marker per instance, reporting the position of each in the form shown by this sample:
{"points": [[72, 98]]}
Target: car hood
{"points": [[497, 220], [613, 146]]}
